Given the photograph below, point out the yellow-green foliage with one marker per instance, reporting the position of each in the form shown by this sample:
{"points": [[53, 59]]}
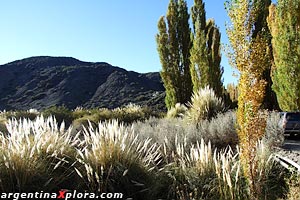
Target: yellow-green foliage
{"points": [[204, 105], [249, 54], [284, 23]]}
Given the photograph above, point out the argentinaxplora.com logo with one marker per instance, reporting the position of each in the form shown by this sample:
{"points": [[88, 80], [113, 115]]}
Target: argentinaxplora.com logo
{"points": [[61, 194]]}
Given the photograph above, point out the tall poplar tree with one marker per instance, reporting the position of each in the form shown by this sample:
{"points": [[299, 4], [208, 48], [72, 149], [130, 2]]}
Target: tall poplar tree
{"points": [[205, 52], [284, 23], [261, 26], [173, 45], [249, 54]]}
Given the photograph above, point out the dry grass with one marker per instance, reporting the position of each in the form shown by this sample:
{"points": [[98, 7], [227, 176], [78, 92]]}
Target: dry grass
{"points": [[161, 158], [33, 155], [113, 158], [204, 105]]}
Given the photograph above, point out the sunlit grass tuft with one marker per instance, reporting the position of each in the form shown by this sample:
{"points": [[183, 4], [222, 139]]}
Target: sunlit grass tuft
{"points": [[204, 105], [114, 159], [35, 155]]}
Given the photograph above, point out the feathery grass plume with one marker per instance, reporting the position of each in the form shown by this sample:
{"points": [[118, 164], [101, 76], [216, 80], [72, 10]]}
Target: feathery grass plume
{"points": [[271, 176], [115, 160], [230, 182], [204, 105], [274, 136], [219, 171], [199, 172], [178, 111], [36, 155]]}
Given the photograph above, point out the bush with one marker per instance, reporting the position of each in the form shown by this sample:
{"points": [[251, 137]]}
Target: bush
{"points": [[221, 130], [199, 172], [61, 113], [132, 113], [274, 135], [178, 111], [21, 114], [204, 105], [160, 158]]}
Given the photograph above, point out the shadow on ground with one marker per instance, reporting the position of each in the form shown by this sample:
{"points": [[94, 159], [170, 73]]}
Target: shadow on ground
{"points": [[292, 143]]}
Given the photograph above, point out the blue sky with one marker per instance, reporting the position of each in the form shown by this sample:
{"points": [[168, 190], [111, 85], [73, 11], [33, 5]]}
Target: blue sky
{"points": [[120, 32]]}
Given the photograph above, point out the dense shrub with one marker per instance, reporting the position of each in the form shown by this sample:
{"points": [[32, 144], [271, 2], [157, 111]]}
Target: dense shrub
{"points": [[221, 130], [61, 113], [22, 114], [178, 111]]}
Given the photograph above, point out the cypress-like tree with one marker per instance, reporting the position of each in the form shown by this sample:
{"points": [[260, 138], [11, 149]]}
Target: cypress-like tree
{"points": [[249, 54], [213, 37], [261, 26], [173, 45], [284, 23], [205, 52], [233, 92]]}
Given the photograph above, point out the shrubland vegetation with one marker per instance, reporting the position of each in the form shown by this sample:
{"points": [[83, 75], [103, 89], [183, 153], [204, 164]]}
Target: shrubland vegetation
{"points": [[199, 149], [149, 158]]}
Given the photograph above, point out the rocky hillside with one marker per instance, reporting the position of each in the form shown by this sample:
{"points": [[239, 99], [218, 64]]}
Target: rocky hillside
{"points": [[41, 82]]}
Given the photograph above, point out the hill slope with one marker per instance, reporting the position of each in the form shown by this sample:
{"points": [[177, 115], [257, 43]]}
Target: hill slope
{"points": [[41, 82]]}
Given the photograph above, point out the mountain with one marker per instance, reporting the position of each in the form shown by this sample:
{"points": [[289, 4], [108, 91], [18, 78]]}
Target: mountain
{"points": [[41, 82]]}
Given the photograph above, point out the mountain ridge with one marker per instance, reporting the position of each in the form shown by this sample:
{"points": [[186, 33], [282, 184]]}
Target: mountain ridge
{"points": [[44, 81]]}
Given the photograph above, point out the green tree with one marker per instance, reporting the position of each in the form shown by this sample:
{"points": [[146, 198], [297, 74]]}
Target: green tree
{"points": [[250, 55], [233, 92], [205, 52], [284, 23], [261, 26], [173, 45]]}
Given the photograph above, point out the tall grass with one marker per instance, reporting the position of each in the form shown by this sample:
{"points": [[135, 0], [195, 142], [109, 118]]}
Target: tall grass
{"points": [[204, 105], [203, 173], [115, 160], [35, 155], [155, 159]]}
